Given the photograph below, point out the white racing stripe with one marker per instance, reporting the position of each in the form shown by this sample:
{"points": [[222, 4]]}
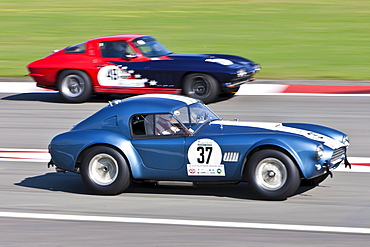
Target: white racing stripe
{"points": [[181, 98], [327, 141], [199, 223]]}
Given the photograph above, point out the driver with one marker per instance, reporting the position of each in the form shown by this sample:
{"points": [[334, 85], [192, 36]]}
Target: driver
{"points": [[116, 49], [119, 47], [164, 126]]}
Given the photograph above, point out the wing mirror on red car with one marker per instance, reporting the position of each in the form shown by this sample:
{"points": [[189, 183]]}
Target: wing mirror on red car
{"points": [[129, 56]]}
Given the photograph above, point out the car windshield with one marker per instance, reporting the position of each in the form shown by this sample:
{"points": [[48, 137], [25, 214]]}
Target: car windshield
{"points": [[194, 116], [150, 47]]}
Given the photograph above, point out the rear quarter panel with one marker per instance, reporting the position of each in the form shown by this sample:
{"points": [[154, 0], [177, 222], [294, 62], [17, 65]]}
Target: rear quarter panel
{"points": [[66, 148], [47, 69]]}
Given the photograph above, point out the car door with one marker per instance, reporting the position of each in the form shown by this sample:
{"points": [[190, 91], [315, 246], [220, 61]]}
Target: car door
{"points": [[158, 147], [126, 69], [133, 69]]}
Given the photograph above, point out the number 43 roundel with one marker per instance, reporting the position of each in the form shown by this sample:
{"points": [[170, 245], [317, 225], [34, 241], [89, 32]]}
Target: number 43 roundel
{"points": [[205, 158]]}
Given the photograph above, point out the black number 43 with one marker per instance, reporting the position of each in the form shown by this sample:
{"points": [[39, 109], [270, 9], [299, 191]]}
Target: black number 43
{"points": [[204, 151]]}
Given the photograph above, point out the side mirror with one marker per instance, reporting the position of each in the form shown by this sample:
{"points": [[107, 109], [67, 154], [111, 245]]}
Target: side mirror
{"points": [[130, 56]]}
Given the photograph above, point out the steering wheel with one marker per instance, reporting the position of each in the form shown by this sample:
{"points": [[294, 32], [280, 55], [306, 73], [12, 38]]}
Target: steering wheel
{"points": [[201, 117]]}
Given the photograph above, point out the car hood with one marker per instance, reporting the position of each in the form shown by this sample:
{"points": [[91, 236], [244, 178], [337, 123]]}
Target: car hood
{"points": [[327, 136], [220, 59]]}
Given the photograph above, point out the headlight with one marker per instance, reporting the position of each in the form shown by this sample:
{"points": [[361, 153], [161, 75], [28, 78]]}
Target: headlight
{"points": [[319, 151], [345, 140], [257, 68], [241, 73]]}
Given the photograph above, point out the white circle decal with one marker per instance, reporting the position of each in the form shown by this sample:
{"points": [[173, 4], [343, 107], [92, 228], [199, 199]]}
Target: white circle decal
{"points": [[205, 157], [111, 75], [204, 151]]}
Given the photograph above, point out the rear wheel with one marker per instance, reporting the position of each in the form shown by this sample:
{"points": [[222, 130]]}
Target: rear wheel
{"points": [[74, 86], [272, 175], [201, 86], [105, 171]]}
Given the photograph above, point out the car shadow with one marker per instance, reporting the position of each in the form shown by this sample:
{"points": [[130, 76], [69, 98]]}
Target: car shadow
{"points": [[72, 183], [42, 97], [235, 191], [53, 97], [54, 181]]}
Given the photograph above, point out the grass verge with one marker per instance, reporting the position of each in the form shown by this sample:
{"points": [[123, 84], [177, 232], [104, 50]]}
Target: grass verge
{"points": [[325, 39]]}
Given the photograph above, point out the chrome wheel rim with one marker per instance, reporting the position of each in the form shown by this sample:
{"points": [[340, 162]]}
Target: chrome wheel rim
{"points": [[103, 169], [271, 174], [199, 86], [73, 85]]}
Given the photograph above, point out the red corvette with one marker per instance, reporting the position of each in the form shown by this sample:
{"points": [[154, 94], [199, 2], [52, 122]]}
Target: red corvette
{"points": [[138, 64]]}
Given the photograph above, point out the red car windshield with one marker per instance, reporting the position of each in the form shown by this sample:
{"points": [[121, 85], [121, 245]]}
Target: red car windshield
{"points": [[150, 47]]}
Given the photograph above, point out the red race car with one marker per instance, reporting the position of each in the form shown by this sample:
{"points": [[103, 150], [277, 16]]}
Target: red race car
{"points": [[138, 64]]}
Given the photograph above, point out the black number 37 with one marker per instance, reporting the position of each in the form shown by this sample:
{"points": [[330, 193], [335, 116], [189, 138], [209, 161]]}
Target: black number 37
{"points": [[204, 151]]}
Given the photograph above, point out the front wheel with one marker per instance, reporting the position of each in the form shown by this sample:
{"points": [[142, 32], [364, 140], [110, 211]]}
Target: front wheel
{"points": [[272, 175], [105, 171], [201, 86], [74, 86]]}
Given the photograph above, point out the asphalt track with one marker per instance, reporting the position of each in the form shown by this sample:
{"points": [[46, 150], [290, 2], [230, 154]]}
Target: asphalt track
{"points": [[39, 207]]}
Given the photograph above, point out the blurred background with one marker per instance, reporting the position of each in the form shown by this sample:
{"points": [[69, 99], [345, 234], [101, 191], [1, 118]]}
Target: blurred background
{"points": [[291, 39], [295, 39]]}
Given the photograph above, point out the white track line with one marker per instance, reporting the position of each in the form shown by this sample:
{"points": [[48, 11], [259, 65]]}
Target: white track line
{"points": [[21, 87], [245, 89], [278, 89], [199, 223], [258, 89], [24, 155]]}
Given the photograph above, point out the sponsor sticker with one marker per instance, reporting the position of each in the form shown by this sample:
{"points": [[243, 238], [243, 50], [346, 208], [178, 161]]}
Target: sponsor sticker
{"points": [[115, 76]]}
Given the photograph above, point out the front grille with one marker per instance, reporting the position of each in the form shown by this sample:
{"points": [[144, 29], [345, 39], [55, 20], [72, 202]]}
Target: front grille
{"points": [[338, 155], [246, 77]]}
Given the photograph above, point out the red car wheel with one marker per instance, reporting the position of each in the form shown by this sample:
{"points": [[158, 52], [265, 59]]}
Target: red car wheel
{"points": [[74, 86]]}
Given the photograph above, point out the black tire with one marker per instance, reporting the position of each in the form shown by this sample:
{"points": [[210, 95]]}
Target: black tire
{"points": [[105, 171], [201, 86], [272, 175], [74, 86]]}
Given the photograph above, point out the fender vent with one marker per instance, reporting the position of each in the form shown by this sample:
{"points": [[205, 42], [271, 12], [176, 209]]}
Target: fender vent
{"points": [[231, 156]]}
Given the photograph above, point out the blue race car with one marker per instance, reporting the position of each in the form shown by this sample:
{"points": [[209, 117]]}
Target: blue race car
{"points": [[164, 137]]}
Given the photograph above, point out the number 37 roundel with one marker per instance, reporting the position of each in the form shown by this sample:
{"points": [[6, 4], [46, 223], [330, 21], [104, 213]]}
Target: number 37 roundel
{"points": [[205, 158]]}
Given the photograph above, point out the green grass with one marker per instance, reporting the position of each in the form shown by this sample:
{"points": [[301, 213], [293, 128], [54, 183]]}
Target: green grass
{"points": [[327, 39]]}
